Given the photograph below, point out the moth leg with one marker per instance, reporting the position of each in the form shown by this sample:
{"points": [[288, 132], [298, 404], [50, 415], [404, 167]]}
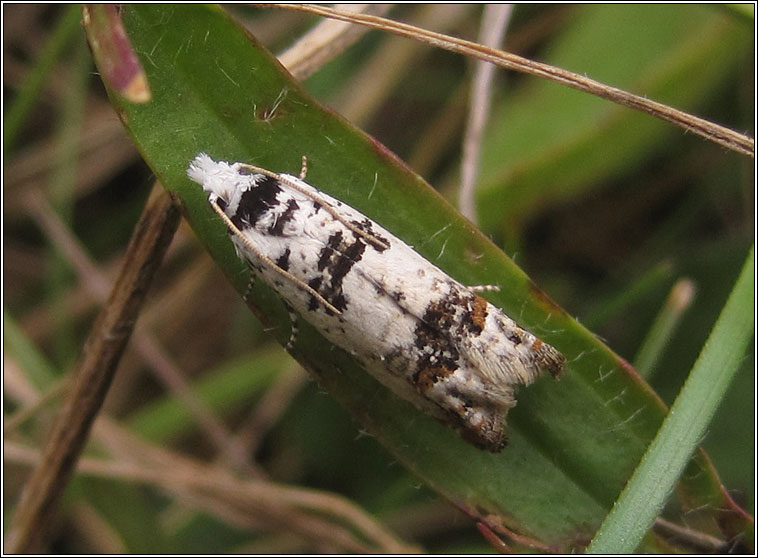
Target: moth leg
{"points": [[250, 285], [294, 329], [484, 288], [268, 261]]}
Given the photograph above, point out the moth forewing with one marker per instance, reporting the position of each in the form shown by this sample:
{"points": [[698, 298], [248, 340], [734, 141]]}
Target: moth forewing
{"points": [[424, 335]]}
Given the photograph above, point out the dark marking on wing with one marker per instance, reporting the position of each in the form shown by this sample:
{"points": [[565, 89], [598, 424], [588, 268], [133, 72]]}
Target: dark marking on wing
{"points": [[277, 229], [256, 201]]}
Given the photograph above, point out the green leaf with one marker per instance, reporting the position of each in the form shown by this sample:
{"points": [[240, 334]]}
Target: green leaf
{"points": [[574, 443]]}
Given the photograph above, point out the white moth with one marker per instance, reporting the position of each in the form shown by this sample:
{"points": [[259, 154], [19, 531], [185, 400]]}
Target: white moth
{"points": [[430, 339]]}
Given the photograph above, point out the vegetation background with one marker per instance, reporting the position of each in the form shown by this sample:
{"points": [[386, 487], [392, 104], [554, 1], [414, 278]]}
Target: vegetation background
{"points": [[607, 211]]}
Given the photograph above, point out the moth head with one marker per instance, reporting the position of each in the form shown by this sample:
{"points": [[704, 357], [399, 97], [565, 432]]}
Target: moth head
{"points": [[221, 180]]}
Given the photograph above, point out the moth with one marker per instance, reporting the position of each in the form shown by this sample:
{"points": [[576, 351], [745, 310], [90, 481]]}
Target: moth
{"points": [[418, 331]]}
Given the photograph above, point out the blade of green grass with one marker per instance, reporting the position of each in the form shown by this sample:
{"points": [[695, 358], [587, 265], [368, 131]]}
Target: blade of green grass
{"points": [[648, 489], [573, 443], [38, 369], [743, 10], [625, 296], [677, 303]]}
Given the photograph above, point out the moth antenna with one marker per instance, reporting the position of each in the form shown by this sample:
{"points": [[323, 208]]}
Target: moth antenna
{"points": [[303, 167], [371, 239]]}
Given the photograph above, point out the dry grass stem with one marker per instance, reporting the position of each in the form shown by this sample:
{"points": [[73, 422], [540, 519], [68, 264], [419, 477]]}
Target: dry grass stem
{"points": [[495, 18], [380, 74], [700, 542], [90, 384], [63, 239], [18, 388], [97, 534], [495, 525], [326, 41], [151, 351], [718, 134], [441, 132], [327, 520], [272, 406], [277, 506], [104, 149], [323, 518]]}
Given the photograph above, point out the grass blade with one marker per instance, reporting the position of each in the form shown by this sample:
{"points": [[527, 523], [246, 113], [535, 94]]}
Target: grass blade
{"points": [[681, 432]]}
